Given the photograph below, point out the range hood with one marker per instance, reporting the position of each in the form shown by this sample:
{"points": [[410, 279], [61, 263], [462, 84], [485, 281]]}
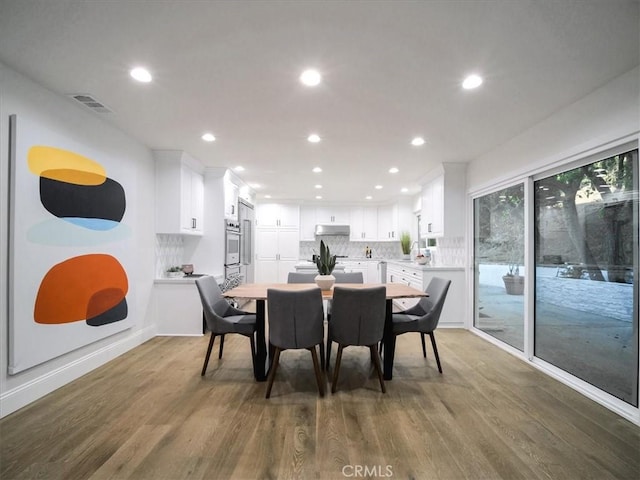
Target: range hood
{"points": [[333, 230]]}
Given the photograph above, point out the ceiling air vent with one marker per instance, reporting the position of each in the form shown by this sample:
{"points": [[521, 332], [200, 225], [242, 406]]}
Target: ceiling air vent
{"points": [[90, 102]]}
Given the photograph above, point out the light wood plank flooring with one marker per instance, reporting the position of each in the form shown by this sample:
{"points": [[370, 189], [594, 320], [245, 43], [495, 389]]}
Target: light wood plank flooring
{"points": [[149, 415]]}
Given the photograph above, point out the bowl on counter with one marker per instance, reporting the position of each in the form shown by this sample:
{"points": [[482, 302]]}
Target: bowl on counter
{"points": [[422, 260], [187, 268]]}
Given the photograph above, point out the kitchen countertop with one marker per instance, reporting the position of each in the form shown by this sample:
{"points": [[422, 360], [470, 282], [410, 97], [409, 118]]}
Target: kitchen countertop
{"points": [[187, 279], [413, 264], [395, 261]]}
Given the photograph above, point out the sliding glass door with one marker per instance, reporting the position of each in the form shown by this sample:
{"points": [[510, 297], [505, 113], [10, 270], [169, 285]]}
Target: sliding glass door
{"points": [[582, 239], [499, 265], [586, 273]]}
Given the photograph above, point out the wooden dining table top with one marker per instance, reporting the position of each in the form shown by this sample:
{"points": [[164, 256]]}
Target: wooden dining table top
{"points": [[258, 291]]}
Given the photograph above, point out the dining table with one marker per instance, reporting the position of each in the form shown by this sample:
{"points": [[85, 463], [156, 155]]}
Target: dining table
{"points": [[258, 292]]}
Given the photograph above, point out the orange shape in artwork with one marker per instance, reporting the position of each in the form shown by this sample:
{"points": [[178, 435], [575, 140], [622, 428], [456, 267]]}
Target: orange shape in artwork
{"points": [[80, 288]]}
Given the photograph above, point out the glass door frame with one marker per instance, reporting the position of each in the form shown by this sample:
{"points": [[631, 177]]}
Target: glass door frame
{"points": [[553, 166]]}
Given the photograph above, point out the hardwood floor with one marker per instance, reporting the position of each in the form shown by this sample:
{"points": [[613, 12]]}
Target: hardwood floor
{"points": [[149, 415]]}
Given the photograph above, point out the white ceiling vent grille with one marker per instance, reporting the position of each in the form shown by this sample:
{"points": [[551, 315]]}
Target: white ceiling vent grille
{"points": [[90, 102]]}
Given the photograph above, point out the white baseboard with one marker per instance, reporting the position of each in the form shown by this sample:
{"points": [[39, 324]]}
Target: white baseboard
{"points": [[23, 395]]}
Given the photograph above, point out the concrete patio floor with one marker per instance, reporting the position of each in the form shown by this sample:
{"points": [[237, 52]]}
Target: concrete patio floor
{"points": [[595, 348]]}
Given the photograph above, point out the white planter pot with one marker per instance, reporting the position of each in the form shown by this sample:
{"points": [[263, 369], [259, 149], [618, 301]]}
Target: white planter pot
{"points": [[325, 282]]}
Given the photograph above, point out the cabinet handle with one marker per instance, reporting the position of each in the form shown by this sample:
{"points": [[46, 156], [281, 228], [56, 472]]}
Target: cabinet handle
{"points": [[428, 227], [193, 223]]}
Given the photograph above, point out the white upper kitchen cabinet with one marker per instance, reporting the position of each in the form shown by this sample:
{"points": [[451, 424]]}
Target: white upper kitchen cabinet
{"points": [[231, 192], [281, 215], [388, 223], [308, 223], [364, 223], [335, 215], [179, 193], [443, 207]]}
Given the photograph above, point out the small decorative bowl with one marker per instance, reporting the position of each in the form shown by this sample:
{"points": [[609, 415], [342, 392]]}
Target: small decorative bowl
{"points": [[422, 260], [187, 268]]}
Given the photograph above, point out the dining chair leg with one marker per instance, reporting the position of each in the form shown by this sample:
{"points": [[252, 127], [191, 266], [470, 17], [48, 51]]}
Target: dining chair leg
{"points": [[329, 342], [272, 371], [435, 350], [336, 369], [253, 353], [424, 347], [221, 346], [375, 357], [206, 358], [322, 361], [316, 368]]}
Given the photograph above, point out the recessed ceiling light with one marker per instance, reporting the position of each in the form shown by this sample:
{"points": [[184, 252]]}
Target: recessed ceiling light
{"points": [[318, 197], [416, 142], [393, 170], [255, 185], [471, 82], [318, 186], [239, 168], [311, 77], [404, 189], [378, 187], [316, 170], [368, 197], [209, 137], [140, 74], [267, 196], [313, 138]]}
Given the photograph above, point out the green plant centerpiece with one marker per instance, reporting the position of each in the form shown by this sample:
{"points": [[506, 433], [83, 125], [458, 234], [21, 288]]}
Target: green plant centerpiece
{"points": [[325, 263], [405, 243]]}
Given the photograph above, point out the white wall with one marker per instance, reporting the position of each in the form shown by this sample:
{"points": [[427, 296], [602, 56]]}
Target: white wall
{"points": [[20, 96], [603, 118]]}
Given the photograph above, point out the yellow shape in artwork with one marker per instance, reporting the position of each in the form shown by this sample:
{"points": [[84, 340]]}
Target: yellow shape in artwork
{"points": [[65, 166]]}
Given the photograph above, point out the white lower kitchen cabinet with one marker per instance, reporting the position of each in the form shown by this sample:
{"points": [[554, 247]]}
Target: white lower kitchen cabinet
{"points": [[274, 271], [177, 306], [418, 276]]}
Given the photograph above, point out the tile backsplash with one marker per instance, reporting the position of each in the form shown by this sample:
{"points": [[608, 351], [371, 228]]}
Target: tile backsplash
{"points": [[449, 252], [341, 245], [169, 252]]}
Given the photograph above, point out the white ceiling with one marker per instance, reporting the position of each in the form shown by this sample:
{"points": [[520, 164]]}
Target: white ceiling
{"points": [[392, 70]]}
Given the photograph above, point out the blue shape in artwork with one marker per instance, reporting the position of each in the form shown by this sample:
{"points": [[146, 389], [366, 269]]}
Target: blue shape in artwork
{"points": [[65, 234], [92, 223]]}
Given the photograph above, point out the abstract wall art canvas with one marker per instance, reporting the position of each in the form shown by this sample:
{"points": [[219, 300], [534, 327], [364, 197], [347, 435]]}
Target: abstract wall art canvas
{"points": [[69, 244]]}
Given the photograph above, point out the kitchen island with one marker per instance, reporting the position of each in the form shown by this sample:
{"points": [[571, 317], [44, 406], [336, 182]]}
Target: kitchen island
{"points": [[419, 276]]}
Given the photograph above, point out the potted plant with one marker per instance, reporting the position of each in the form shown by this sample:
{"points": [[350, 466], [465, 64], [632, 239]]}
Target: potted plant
{"points": [[173, 272], [325, 263], [405, 245], [513, 281]]}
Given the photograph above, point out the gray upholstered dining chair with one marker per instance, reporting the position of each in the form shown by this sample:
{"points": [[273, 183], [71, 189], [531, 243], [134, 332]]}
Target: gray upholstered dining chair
{"points": [[357, 319], [425, 315], [222, 318], [343, 277], [296, 321], [349, 277], [299, 277]]}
